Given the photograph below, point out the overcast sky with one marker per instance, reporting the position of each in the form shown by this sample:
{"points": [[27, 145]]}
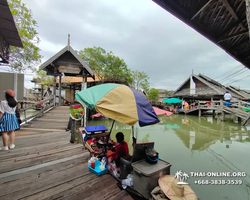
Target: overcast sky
{"points": [[146, 36]]}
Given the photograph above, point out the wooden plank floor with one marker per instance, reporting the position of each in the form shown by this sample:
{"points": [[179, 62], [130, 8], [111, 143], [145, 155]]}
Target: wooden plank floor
{"points": [[45, 165]]}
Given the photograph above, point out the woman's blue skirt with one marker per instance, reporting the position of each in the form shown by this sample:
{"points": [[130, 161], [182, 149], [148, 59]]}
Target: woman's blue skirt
{"points": [[8, 122]]}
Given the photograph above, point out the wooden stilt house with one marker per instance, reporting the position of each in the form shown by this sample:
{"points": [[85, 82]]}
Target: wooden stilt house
{"points": [[201, 87]]}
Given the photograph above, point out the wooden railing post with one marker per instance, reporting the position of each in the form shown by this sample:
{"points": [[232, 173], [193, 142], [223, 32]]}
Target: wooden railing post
{"points": [[221, 104], [25, 115], [239, 104], [221, 110], [199, 107], [73, 131], [25, 108]]}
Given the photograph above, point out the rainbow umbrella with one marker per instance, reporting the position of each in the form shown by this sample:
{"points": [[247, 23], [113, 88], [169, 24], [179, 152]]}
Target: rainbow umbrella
{"points": [[119, 102]]}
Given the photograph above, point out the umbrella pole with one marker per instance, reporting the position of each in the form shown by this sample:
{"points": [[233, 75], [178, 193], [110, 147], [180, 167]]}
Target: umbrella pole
{"points": [[133, 136], [110, 131]]}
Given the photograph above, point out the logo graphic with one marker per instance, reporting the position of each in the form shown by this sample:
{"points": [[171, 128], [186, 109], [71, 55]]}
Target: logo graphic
{"points": [[182, 177]]}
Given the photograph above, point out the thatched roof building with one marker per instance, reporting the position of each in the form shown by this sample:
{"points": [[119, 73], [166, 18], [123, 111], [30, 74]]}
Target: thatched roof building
{"points": [[223, 22], [201, 87]]}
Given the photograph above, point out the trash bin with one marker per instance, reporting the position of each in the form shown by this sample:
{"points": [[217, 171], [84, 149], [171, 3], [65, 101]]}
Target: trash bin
{"points": [[145, 175]]}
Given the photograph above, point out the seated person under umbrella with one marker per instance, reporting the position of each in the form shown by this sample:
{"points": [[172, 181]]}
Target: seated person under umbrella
{"points": [[121, 150]]}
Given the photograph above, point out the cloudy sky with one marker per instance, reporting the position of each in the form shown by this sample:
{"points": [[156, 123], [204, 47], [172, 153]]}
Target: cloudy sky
{"points": [[146, 36]]}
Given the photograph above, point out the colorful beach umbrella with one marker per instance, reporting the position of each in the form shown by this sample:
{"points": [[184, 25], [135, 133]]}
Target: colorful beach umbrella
{"points": [[119, 102], [172, 100]]}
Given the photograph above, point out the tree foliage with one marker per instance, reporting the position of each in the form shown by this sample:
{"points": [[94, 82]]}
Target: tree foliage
{"points": [[153, 94], [169, 93], [29, 56], [43, 79], [106, 65], [140, 80]]}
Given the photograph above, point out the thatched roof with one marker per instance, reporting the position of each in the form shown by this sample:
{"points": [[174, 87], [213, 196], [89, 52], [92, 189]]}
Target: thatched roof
{"points": [[243, 93], [67, 61], [8, 28], [206, 87], [221, 21]]}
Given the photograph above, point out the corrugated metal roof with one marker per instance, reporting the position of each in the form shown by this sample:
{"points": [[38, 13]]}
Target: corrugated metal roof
{"points": [[8, 28]]}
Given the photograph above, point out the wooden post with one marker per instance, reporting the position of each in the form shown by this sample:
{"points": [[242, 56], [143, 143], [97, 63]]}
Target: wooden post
{"points": [[25, 115], [85, 109], [85, 114], [212, 102], [74, 88], [246, 120], [199, 108], [42, 91], [248, 15], [54, 90], [60, 90], [221, 106], [73, 131]]}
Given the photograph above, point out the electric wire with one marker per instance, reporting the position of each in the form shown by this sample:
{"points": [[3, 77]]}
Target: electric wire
{"points": [[239, 79], [228, 72], [233, 75], [243, 76]]}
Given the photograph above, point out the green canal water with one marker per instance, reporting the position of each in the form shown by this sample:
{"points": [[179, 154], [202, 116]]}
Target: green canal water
{"points": [[193, 144], [28, 113]]}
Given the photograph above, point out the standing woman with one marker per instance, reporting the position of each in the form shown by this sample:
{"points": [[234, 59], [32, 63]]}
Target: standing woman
{"points": [[8, 120]]}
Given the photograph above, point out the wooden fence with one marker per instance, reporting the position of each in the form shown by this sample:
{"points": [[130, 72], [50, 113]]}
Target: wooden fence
{"points": [[235, 108], [28, 105]]}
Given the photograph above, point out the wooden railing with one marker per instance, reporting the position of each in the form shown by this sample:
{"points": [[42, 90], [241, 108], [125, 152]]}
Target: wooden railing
{"points": [[220, 107], [219, 104], [47, 104]]}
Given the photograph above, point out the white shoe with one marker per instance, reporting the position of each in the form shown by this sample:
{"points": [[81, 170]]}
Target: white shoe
{"points": [[12, 146], [6, 148]]}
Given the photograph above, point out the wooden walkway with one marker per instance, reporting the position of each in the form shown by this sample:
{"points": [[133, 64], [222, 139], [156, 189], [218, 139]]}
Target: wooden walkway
{"points": [[230, 110], [45, 165]]}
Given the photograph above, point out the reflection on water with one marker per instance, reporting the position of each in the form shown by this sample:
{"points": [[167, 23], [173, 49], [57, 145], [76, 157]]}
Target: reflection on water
{"points": [[195, 144], [28, 113]]}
